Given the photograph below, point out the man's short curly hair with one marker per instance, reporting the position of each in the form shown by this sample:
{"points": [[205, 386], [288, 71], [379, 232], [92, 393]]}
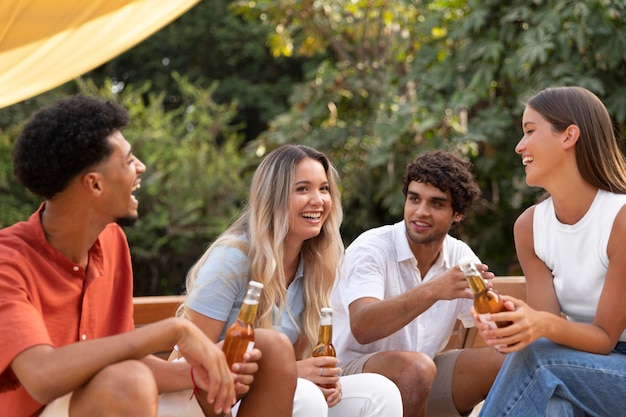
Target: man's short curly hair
{"points": [[63, 140], [447, 172]]}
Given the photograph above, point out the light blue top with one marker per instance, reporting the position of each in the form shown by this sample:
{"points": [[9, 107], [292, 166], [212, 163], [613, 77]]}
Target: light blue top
{"points": [[222, 284]]}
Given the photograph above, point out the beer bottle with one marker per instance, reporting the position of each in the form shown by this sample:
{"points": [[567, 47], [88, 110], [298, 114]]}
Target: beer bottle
{"points": [[324, 345], [485, 300], [240, 335]]}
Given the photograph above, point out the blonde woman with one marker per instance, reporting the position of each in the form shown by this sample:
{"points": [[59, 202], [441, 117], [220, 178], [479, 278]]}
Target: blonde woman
{"points": [[288, 239]]}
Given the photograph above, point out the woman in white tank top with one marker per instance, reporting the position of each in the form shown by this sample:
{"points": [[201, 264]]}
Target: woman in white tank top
{"points": [[567, 350]]}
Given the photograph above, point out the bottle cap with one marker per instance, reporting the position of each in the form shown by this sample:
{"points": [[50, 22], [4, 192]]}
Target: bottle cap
{"points": [[466, 261], [256, 284]]}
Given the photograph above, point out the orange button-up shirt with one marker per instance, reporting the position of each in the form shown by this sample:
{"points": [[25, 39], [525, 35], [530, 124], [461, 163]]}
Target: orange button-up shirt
{"points": [[47, 299]]}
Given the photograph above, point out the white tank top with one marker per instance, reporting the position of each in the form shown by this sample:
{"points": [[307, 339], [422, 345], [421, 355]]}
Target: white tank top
{"points": [[576, 254]]}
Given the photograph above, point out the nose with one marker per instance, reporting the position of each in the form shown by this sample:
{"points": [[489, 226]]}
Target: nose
{"points": [[422, 209], [316, 198], [140, 167], [521, 145]]}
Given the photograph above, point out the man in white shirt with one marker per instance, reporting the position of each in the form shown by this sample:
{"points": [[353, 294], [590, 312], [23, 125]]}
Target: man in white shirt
{"points": [[401, 291]]}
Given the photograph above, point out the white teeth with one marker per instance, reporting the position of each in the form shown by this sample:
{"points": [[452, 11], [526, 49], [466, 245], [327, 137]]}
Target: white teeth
{"points": [[136, 187], [312, 215], [527, 160]]}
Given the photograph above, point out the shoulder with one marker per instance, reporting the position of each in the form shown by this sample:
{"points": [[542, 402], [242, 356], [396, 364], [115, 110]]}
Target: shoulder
{"points": [[113, 235], [378, 239], [525, 219]]}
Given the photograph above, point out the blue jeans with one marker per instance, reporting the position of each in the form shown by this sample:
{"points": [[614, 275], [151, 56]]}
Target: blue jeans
{"points": [[546, 379]]}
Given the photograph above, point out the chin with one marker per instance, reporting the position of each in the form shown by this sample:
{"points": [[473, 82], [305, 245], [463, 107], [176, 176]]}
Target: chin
{"points": [[126, 221]]}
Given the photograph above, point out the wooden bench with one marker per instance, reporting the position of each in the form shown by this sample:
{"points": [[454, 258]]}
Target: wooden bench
{"points": [[155, 308]]}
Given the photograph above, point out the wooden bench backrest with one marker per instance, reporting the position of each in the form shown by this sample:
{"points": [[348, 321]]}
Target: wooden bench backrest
{"points": [[155, 308]]}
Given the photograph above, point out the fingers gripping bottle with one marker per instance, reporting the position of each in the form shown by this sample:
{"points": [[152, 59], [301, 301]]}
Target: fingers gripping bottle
{"points": [[324, 345], [240, 335], [486, 301]]}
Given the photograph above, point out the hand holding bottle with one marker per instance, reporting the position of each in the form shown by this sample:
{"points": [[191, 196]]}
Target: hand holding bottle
{"points": [[486, 301], [239, 337], [325, 359], [244, 371]]}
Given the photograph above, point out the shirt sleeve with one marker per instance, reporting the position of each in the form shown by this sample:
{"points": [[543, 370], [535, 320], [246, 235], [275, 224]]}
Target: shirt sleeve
{"points": [[363, 274], [21, 323], [221, 284]]}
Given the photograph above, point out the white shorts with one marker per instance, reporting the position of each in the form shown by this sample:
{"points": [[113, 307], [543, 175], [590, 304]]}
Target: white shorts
{"points": [[171, 404], [58, 408]]}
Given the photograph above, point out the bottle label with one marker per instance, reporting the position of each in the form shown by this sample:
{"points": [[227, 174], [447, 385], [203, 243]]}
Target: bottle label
{"points": [[483, 319], [490, 323]]}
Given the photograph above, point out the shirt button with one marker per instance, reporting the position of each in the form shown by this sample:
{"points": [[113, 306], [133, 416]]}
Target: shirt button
{"points": [[84, 337], [75, 268]]}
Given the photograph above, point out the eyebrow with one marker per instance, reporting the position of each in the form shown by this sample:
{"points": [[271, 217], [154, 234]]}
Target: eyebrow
{"points": [[528, 123], [436, 198], [309, 182]]}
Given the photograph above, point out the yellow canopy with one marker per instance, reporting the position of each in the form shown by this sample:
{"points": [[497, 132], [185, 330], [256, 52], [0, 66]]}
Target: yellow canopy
{"points": [[45, 43]]}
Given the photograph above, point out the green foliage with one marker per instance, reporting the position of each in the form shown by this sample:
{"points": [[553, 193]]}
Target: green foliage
{"points": [[193, 186], [208, 44], [405, 76]]}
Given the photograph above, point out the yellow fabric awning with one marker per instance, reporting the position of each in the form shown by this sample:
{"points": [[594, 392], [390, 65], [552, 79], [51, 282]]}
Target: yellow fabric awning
{"points": [[45, 43]]}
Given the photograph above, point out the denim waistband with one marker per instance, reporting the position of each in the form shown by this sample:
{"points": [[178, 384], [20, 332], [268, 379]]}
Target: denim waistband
{"points": [[620, 347]]}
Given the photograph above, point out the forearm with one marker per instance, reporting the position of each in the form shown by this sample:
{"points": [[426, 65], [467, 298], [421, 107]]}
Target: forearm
{"points": [[377, 319], [48, 372], [170, 376], [580, 336]]}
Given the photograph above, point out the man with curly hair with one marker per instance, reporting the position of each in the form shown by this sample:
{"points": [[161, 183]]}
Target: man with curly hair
{"points": [[401, 291], [67, 340]]}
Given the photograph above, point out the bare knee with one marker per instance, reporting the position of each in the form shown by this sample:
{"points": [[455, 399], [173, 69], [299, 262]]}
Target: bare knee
{"points": [[126, 388], [412, 372], [277, 353]]}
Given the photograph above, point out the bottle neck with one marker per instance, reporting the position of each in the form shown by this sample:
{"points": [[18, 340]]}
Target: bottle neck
{"points": [[325, 334], [477, 284], [248, 310]]}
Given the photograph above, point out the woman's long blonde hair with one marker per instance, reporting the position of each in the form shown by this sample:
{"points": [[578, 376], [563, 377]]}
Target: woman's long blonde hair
{"points": [[261, 229]]}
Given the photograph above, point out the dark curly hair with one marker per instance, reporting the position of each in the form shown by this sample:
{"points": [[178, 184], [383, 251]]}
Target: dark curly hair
{"points": [[62, 140], [445, 171]]}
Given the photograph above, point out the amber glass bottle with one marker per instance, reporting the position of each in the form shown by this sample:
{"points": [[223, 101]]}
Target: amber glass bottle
{"points": [[324, 345], [240, 335], [485, 300]]}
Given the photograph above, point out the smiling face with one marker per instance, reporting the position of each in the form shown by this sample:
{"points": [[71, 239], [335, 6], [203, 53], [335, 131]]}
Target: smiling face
{"points": [[117, 178], [428, 213], [310, 202], [540, 147]]}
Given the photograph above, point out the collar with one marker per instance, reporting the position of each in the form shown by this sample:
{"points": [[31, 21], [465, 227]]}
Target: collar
{"points": [[404, 252]]}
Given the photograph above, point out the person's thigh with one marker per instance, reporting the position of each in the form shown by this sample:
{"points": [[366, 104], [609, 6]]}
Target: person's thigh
{"points": [[440, 400], [367, 395], [475, 371], [308, 400], [530, 379]]}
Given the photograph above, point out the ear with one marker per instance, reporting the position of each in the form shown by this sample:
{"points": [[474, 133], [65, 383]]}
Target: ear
{"points": [[92, 181], [572, 133], [457, 218]]}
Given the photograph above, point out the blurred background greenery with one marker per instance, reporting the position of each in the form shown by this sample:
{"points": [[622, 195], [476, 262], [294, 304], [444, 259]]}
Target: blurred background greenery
{"points": [[372, 83]]}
